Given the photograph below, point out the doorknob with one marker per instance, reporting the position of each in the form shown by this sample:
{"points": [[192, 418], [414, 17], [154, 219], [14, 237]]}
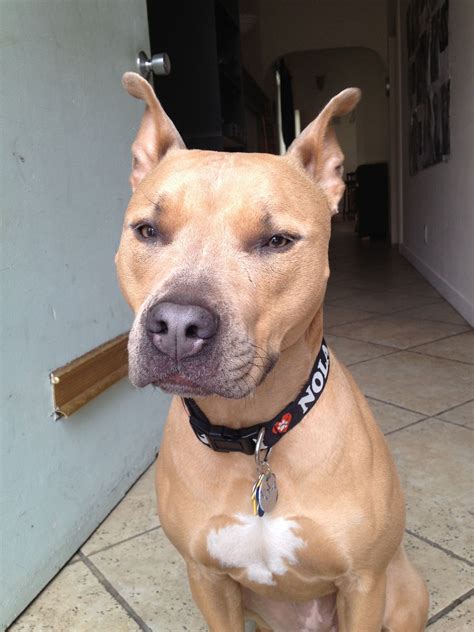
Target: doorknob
{"points": [[159, 64]]}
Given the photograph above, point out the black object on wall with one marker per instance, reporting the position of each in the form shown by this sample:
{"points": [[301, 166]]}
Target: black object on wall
{"points": [[203, 93], [372, 200], [429, 84]]}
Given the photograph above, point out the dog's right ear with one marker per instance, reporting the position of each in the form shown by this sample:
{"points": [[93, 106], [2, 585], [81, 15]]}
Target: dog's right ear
{"points": [[316, 149], [157, 134]]}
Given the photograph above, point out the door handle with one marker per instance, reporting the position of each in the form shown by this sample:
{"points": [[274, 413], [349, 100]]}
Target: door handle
{"points": [[159, 64]]}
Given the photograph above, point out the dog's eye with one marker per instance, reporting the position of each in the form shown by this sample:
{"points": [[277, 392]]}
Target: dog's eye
{"points": [[278, 241], [146, 231]]}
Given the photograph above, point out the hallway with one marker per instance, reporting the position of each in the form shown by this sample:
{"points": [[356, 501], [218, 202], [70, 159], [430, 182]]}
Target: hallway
{"points": [[412, 355]]}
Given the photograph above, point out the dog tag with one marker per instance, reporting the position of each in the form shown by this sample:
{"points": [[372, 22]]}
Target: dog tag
{"points": [[264, 492], [267, 492], [257, 510]]}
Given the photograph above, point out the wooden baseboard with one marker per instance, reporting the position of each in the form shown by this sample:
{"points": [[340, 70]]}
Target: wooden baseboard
{"points": [[82, 379]]}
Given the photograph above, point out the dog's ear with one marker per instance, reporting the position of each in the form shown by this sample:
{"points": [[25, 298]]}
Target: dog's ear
{"points": [[318, 151], [157, 134]]}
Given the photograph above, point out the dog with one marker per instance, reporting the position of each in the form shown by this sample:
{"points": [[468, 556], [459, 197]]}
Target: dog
{"points": [[273, 480]]}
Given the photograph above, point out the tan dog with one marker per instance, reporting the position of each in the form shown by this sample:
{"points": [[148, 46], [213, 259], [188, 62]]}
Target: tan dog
{"points": [[224, 259]]}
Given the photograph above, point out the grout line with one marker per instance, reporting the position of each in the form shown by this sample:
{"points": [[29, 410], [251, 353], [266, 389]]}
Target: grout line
{"points": [[422, 344], [431, 355], [410, 410], [114, 593], [391, 347], [132, 537], [337, 302], [382, 355], [379, 290], [453, 423], [435, 301], [122, 498], [425, 418], [454, 604], [349, 322], [443, 412], [413, 423], [447, 410], [440, 548], [381, 268], [435, 320], [411, 349]]}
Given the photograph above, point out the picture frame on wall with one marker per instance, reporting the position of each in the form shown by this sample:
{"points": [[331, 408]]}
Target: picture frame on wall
{"points": [[428, 83]]}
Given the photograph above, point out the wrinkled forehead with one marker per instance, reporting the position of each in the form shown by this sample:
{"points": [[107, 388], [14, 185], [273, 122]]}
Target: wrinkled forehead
{"points": [[213, 185]]}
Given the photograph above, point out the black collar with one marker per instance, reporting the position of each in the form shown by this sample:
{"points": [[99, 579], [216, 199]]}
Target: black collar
{"points": [[223, 439]]}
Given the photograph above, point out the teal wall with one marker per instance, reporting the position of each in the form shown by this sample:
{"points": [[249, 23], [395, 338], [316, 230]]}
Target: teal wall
{"points": [[67, 128]]}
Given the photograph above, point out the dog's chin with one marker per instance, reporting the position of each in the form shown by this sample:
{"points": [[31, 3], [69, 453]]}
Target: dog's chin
{"points": [[189, 389], [181, 386]]}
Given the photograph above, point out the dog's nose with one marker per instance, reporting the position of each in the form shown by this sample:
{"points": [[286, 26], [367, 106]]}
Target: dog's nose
{"points": [[180, 331]]}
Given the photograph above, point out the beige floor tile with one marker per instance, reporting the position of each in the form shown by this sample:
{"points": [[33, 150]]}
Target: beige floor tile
{"points": [[74, 601], [421, 287], [380, 282], [402, 333], [383, 280], [334, 292], [152, 578], [150, 574], [421, 383], [461, 619], [434, 460], [135, 514], [351, 351], [383, 302], [339, 315], [441, 312], [391, 417], [446, 577], [463, 414], [455, 348]]}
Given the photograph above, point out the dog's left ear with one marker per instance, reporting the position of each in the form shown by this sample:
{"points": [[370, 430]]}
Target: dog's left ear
{"points": [[157, 134], [318, 151]]}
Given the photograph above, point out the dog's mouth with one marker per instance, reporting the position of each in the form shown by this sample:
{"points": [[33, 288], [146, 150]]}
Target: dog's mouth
{"points": [[229, 365], [177, 383], [230, 384]]}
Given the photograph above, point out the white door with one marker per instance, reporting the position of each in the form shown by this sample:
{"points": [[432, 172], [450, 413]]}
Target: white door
{"points": [[67, 126]]}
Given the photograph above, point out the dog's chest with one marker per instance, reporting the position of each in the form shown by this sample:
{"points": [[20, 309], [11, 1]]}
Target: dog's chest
{"points": [[264, 547]]}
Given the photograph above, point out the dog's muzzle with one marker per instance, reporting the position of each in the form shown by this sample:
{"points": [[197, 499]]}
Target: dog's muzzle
{"points": [[191, 348]]}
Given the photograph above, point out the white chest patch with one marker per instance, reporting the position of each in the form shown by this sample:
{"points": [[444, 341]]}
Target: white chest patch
{"points": [[263, 546]]}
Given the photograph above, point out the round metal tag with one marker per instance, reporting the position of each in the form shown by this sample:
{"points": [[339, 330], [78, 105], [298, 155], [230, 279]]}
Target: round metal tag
{"points": [[268, 495]]}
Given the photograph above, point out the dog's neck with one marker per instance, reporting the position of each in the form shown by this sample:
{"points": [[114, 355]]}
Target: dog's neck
{"points": [[281, 385]]}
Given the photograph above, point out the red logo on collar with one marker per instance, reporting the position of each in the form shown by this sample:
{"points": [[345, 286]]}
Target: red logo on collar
{"points": [[281, 426]]}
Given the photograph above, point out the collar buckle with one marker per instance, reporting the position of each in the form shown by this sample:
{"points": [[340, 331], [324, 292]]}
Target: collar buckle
{"points": [[222, 439]]}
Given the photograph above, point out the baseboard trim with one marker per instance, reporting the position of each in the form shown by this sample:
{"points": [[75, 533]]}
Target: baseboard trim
{"points": [[447, 291]]}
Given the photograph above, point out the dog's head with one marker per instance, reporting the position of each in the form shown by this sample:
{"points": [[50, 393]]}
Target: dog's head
{"points": [[223, 256]]}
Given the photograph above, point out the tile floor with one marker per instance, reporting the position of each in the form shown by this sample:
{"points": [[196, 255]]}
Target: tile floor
{"points": [[412, 355]]}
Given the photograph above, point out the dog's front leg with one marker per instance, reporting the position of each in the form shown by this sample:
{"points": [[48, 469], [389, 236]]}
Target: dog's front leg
{"points": [[361, 604], [218, 597]]}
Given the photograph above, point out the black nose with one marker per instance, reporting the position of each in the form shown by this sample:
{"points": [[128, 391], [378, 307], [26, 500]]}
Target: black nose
{"points": [[180, 331]]}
